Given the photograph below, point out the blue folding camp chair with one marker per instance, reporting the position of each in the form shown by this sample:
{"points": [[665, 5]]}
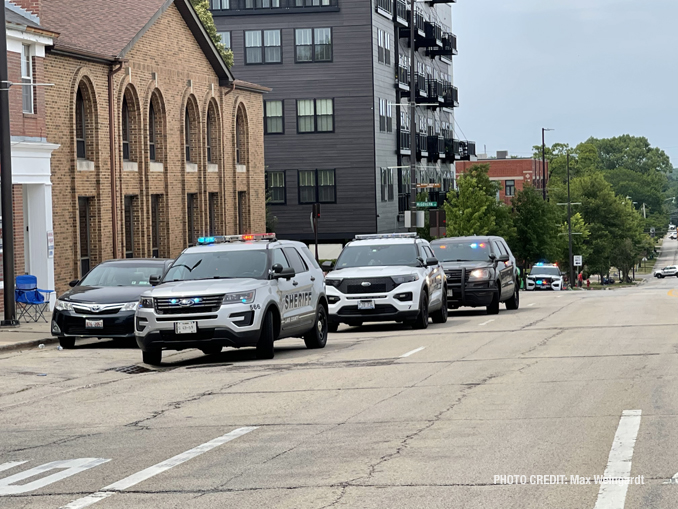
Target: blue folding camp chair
{"points": [[31, 301]]}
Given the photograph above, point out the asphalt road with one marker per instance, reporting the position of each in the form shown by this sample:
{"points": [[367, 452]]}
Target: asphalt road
{"points": [[571, 384]]}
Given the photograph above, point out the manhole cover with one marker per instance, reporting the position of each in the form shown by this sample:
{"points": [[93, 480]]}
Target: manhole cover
{"points": [[133, 370]]}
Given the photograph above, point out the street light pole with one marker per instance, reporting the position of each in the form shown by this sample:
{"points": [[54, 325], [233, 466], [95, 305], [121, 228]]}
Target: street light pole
{"points": [[413, 141], [569, 219], [6, 183]]}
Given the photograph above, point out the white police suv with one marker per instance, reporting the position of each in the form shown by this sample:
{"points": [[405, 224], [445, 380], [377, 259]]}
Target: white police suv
{"points": [[240, 290], [544, 276], [386, 277]]}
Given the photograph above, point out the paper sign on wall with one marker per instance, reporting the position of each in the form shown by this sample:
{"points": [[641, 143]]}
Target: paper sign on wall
{"points": [[50, 244]]}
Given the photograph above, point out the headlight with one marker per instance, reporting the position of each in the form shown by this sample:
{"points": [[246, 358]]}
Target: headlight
{"points": [[334, 282], [130, 306], [63, 305], [145, 302], [399, 280], [479, 274], [239, 298]]}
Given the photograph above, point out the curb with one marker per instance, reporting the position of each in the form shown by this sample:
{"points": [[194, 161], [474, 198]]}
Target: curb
{"points": [[31, 343]]}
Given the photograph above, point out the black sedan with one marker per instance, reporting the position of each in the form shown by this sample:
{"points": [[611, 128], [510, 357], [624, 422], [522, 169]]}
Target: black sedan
{"points": [[103, 303]]}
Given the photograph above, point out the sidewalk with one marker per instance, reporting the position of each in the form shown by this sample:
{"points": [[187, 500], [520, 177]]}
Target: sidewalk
{"points": [[26, 335]]}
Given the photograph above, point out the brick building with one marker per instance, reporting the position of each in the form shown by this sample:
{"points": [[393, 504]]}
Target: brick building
{"points": [[27, 39], [159, 144], [511, 173]]}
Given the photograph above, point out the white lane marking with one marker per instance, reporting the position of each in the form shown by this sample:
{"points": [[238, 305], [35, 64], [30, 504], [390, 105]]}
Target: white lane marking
{"points": [[134, 479], [613, 495], [530, 305], [72, 467], [485, 323], [673, 480], [11, 464], [412, 352]]}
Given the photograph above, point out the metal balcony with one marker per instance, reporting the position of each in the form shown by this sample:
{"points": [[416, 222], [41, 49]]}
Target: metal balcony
{"points": [[460, 150], [402, 14], [436, 147], [419, 25], [404, 143], [447, 49], [385, 7], [422, 86], [403, 82], [450, 96], [422, 146], [235, 7]]}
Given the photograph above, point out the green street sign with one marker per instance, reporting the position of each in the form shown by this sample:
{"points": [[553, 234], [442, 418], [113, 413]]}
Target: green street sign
{"points": [[427, 204]]}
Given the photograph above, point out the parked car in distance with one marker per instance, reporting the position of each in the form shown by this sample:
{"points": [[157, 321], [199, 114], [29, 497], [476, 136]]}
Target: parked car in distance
{"points": [[481, 271], [102, 304]]}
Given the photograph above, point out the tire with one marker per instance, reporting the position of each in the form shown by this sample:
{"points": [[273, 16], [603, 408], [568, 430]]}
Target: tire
{"points": [[514, 302], [265, 348], [211, 350], [333, 327], [152, 357], [493, 308], [440, 316], [67, 343], [317, 336], [421, 322]]}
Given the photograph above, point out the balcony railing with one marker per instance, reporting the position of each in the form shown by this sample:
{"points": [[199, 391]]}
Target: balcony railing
{"points": [[447, 48], [450, 96], [402, 13], [226, 7], [403, 78], [422, 145], [403, 202], [436, 147], [461, 150], [404, 142], [385, 6], [422, 87]]}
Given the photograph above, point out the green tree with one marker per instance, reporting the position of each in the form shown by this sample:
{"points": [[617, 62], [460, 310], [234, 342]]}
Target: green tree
{"points": [[536, 229], [202, 9], [580, 242], [473, 208]]}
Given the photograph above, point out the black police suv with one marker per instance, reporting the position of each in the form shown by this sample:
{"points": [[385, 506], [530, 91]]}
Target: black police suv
{"points": [[481, 272], [103, 303]]}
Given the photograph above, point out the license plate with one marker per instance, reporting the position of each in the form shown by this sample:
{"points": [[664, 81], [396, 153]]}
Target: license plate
{"points": [[94, 324], [450, 293], [366, 304], [186, 327]]}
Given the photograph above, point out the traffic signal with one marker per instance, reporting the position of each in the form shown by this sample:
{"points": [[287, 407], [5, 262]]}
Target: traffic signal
{"points": [[316, 210]]}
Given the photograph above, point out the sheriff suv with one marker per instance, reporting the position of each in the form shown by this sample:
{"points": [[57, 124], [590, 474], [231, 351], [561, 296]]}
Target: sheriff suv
{"points": [[240, 290], [544, 276], [386, 277]]}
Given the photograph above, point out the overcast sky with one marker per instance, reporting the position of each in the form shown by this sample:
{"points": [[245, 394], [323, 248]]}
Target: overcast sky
{"points": [[584, 67]]}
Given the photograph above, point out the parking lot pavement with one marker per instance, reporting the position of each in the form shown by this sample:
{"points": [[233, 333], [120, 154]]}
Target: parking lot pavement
{"points": [[572, 384]]}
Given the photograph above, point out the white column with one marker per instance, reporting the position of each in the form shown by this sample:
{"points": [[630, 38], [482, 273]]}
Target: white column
{"points": [[39, 222]]}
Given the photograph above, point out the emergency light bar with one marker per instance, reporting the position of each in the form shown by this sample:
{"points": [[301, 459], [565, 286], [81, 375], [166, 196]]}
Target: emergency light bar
{"points": [[410, 235], [222, 239]]}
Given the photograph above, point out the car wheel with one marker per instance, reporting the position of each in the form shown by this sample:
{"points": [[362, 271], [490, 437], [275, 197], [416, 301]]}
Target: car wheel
{"points": [[67, 343], [421, 322], [440, 316], [152, 357], [265, 348], [211, 350], [493, 308], [317, 336], [514, 302]]}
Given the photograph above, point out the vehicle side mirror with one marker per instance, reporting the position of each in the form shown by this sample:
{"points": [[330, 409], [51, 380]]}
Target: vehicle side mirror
{"points": [[504, 258], [327, 265], [493, 256], [74, 283], [287, 273], [431, 262], [277, 268], [154, 280]]}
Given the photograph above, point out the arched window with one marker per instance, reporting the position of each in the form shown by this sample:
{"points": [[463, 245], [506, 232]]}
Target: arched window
{"points": [[239, 134], [151, 133], [187, 133], [209, 136], [125, 130], [80, 123]]}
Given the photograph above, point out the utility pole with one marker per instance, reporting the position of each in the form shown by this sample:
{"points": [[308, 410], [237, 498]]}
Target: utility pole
{"points": [[543, 160], [6, 182], [413, 119], [569, 218]]}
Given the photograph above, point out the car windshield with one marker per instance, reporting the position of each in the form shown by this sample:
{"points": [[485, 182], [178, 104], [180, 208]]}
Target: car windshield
{"points": [[250, 263], [378, 255], [462, 251], [545, 271], [122, 274]]}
